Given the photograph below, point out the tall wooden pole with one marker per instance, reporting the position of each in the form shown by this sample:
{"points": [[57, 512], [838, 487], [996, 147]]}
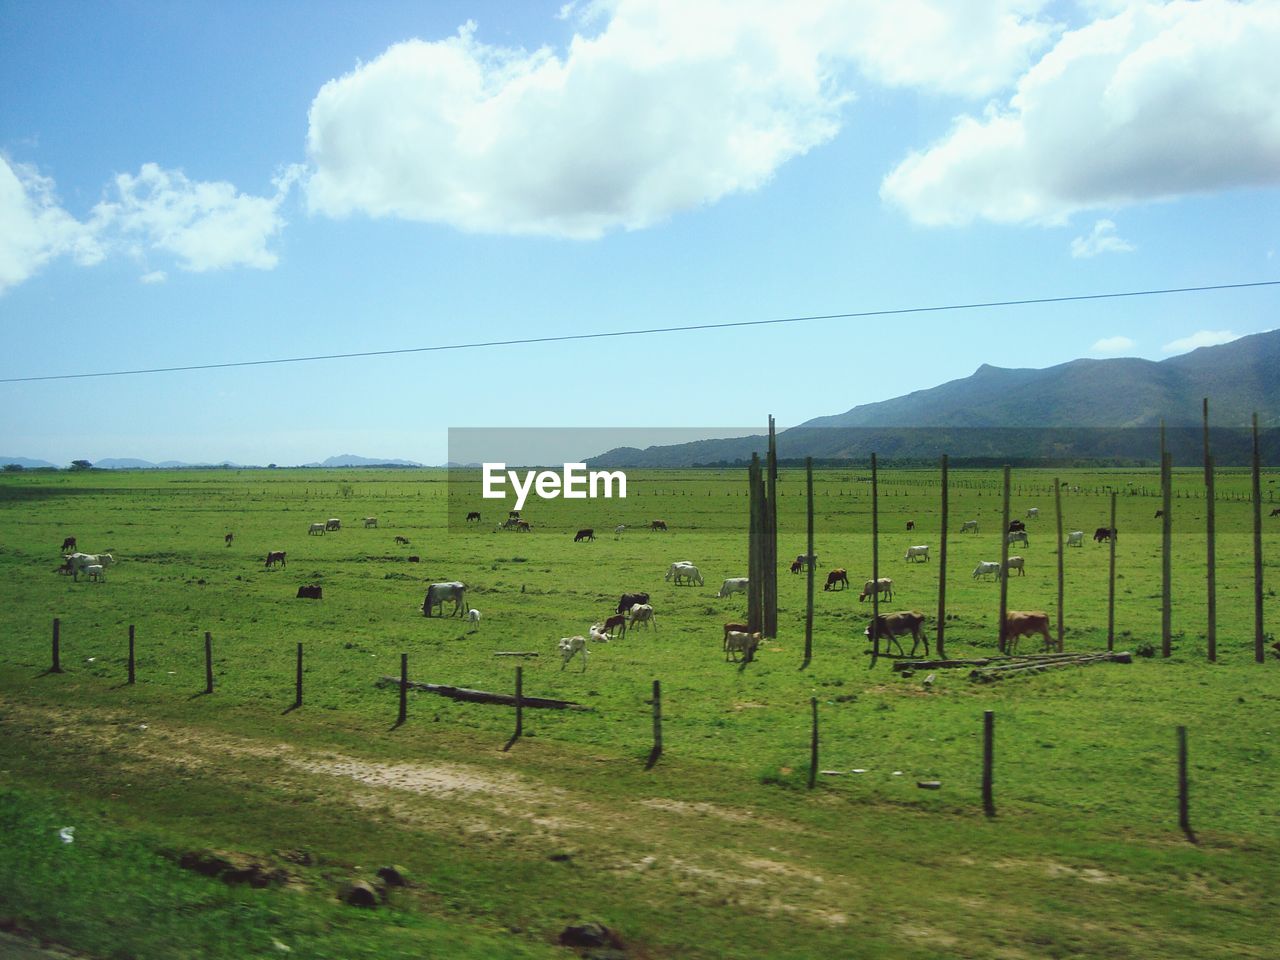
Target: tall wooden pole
{"points": [[988, 762], [1004, 563], [755, 549], [942, 569], [1259, 653], [404, 689], [1057, 504], [769, 593], [56, 665], [808, 616], [297, 682], [208, 662], [1111, 580]]}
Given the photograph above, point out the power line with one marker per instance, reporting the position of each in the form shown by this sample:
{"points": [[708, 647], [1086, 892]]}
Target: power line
{"points": [[647, 331]]}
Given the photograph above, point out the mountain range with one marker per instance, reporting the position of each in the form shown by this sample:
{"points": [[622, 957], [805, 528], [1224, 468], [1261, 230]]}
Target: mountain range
{"points": [[1097, 410]]}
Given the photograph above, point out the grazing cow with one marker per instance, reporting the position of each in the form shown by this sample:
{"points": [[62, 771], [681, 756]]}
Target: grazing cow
{"points": [[311, 591], [316, 528], [473, 515], [403, 541], [736, 641], [986, 567], [803, 560], [616, 625], [643, 613], [733, 585], [569, 646], [969, 526], [1015, 563], [734, 628], [796, 566], [1075, 538], [587, 534], [1019, 536], [513, 514], [370, 522], [438, 593], [1033, 512], [1273, 513], [1103, 534], [1016, 525], [523, 526], [840, 575], [631, 599], [1019, 623], [915, 552], [893, 625], [871, 587], [657, 525], [620, 529], [473, 615], [333, 523], [274, 557], [78, 562], [414, 559], [683, 570], [94, 570], [911, 524], [228, 538], [1159, 514], [70, 544]]}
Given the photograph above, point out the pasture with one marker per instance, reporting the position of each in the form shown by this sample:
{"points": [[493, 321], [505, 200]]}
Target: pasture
{"points": [[718, 850]]}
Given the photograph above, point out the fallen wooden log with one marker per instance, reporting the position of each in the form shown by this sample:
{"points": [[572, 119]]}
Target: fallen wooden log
{"points": [[482, 696], [995, 658], [1000, 671]]}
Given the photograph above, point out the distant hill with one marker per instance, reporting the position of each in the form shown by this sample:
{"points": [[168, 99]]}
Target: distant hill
{"points": [[351, 460], [1083, 409], [27, 463]]}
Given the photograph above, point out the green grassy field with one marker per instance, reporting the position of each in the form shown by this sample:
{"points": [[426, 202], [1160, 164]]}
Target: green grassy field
{"points": [[718, 851]]}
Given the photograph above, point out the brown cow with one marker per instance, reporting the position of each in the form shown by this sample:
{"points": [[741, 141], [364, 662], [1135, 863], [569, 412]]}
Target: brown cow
{"points": [[893, 625], [797, 566], [840, 576], [1273, 513], [734, 628], [274, 557], [629, 600], [1019, 623], [228, 538], [657, 525], [616, 626], [587, 534], [911, 524], [70, 543]]}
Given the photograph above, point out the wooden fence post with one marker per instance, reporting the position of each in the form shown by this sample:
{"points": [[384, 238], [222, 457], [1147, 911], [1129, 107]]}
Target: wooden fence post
{"points": [[808, 616], [56, 665], [1111, 580], [208, 662], [297, 700], [1259, 651], [813, 743], [131, 660], [1057, 505], [988, 762], [656, 752], [755, 549], [769, 588], [942, 570], [520, 702]]}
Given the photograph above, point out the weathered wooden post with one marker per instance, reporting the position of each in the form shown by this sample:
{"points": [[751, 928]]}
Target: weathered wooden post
{"points": [[656, 752], [769, 588], [942, 570], [520, 702], [404, 689], [1259, 652], [988, 762], [813, 743], [755, 549], [1057, 505], [808, 616], [297, 699], [1111, 580], [56, 665], [131, 661], [1003, 574], [208, 662], [1184, 813]]}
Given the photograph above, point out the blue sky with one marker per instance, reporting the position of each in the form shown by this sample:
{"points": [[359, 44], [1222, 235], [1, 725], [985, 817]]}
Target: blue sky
{"points": [[208, 183]]}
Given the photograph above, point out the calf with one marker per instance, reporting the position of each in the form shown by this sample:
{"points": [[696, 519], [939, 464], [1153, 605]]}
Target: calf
{"points": [[473, 615], [1033, 512], [228, 538], [620, 529], [736, 642], [734, 628], [94, 570], [657, 525], [370, 522], [796, 566], [587, 534], [70, 544], [1273, 513], [473, 515], [616, 625], [569, 647], [840, 575], [883, 585], [1075, 538], [403, 541], [911, 524], [643, 613]]}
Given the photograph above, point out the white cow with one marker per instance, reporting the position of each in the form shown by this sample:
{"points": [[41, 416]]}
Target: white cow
{"points": [[969, 526], [570, 646], [333, 523], [1019, 536], [620, 529], [438, 593], [986, 567], [1033, 512], [1015, 563], [316, 528], [473, 615], [370, 522], [642, 613], [79, 563], [736, 642], [597, 633], [683, 570], [94, 570], [871, 587], [734, 585], [1075, 538], [914, 552]]}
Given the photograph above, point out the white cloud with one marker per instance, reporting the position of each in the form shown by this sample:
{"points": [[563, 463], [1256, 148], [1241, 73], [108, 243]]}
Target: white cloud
{"points": [[155, 276], [1201, 338], [667, 107], [1157, 101], [1113, 345], [206, 225], [34, 229], [1103, 239]]}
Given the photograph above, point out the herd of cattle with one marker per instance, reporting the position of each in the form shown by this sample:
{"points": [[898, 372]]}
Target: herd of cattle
{"points": [[634, 609]]}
